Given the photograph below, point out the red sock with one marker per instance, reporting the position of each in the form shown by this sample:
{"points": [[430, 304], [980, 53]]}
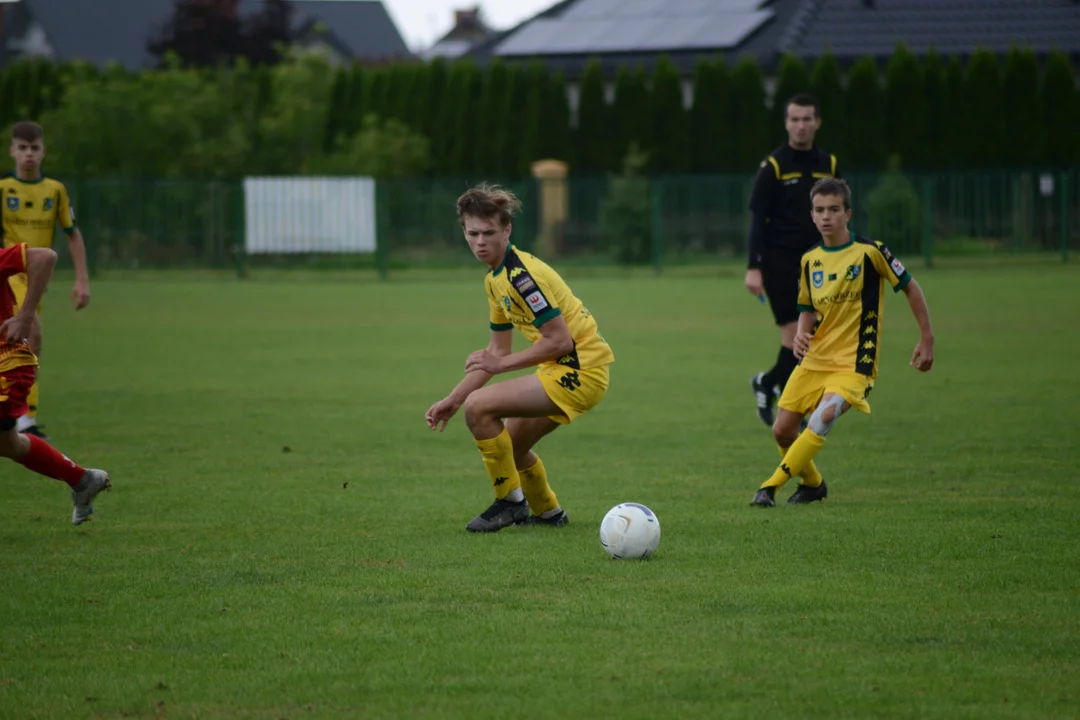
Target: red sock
{"points": [[46, 460]]}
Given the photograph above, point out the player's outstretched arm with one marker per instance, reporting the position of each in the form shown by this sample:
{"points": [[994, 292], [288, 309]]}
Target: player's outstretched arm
{"points": [[39, 268], [80, 294], [555, 341], [923, 357], [501, 344], [804, 333]]}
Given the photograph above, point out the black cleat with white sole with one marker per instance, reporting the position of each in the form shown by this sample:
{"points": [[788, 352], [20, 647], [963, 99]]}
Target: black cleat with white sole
{"points": [[765, 397], [503, 513]]}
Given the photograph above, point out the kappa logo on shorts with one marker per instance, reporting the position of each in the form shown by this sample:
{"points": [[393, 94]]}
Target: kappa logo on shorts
{"points": [[818, 278], [570, 381]]}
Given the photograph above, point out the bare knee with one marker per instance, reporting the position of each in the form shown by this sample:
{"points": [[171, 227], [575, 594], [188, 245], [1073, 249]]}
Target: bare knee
{"points": [[785, 434], [473, 413], [477, 412]]}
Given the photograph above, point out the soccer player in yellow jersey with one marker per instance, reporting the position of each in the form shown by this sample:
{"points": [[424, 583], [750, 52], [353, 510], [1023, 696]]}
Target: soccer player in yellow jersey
{"points": [[32, 207], [570, 357], [841, 301]]}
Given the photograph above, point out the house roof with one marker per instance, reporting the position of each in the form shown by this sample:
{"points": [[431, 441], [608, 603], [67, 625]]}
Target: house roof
{"points": [[758, 40], [849, 28], [362, 26], [118, 30], [854, 28], [469, 29]]}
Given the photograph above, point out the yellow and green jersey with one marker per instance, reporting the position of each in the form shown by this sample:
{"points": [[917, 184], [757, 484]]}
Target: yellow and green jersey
{"points": [[524, 293], [845, 286]]}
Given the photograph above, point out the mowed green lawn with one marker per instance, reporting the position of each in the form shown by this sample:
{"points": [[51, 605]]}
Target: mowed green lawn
{"points": [[285, 537]]}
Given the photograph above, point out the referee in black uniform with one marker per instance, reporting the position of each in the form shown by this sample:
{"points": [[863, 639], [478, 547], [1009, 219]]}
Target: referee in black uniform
{"points": [[781, 230]]}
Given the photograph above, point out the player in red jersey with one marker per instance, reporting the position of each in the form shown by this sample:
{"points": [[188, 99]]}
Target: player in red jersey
{"points": [[18, 366]]}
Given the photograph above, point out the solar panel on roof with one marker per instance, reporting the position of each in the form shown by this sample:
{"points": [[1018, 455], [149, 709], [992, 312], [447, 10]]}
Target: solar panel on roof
{"points": [[673, 32], [728, 31], [633, 34], [592, 9], [584, 34], [626, 32]]}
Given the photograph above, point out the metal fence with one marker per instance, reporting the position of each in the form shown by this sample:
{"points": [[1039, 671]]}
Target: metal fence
{"points": [[657, 222]]}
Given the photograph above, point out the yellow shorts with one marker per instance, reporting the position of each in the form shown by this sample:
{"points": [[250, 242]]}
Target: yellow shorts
{"points": [[19, 285], [805, 388], [576, 392]]}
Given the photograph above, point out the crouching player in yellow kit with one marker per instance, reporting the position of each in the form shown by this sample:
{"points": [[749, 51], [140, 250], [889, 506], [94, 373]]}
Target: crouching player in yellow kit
{"points": [[32, 207], [570, 356], [841, 294]]}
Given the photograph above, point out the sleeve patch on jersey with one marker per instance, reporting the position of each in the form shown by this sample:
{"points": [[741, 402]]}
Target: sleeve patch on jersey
{"points": [[536, 301], [524, 284], [897, 267]]}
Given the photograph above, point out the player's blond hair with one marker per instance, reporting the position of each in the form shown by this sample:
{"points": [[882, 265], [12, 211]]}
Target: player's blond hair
{"points": [[487, 201], [832, 186]]}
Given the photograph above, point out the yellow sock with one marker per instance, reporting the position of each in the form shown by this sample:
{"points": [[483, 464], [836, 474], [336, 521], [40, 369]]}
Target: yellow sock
{"points": [[537, 491], [498, 455], [32, 400], [798, 457], [810, 475]]}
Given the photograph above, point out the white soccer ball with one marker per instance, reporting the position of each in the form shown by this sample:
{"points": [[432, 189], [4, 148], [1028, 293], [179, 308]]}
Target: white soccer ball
{"points": [[630, 531]]}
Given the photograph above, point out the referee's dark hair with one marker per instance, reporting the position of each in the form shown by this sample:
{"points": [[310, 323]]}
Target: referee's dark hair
{"points": [[804, 100]]}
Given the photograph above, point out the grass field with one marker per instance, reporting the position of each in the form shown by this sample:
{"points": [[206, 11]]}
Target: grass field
{"points": [[285, 537]]}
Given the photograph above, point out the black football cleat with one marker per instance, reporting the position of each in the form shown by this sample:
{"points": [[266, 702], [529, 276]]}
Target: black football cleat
{"points": [[503, 513], [765, 397], [804, 494], [560, 520], [764, 498]]}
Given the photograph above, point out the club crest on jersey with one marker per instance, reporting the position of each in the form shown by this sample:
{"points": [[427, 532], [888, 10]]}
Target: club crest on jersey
{"points": [[48, 204], [13, 203], [506, 303], [818, 278], [853, 272]]}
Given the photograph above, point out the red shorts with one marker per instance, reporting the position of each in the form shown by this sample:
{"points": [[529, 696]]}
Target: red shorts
{"points": [[14, 390]]}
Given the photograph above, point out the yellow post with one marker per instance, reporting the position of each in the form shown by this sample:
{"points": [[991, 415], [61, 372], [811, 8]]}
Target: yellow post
{"points": [[554, 201]]}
